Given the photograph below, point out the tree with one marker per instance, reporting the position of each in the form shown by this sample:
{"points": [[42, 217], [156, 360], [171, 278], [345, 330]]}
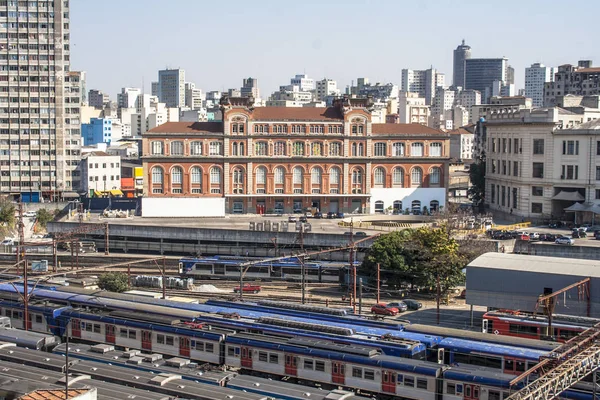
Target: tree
{"points": [[44, 216], [7, 212], [477, 177], [113, 282]]}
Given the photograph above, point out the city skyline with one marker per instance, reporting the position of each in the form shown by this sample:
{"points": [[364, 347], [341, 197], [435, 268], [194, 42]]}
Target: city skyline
{"points": [[217, 53]]}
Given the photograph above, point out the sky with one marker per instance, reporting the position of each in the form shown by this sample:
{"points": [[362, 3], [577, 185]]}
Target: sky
{"points": [[218, 43]]}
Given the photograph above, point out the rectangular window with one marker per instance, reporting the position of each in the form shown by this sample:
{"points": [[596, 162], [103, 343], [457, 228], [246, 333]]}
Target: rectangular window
{"points": [[273, 358], [597, 194], [570, 172], [123, 333], [38, 319], [320, 366], [199, 346], [537, 191], [308, 364], [209, 347], [380, 150], [493, 193], [571, 147], [538, 170], [357, 372], [160, 339], [504, 145], [515, 168], [262, 356], [96, 328], [451, 388], [598, 173], [537, 208], [169, 341], [421, 383], [538, 146], [369, 375], [409, 381], [132, 334], [598, 148]]}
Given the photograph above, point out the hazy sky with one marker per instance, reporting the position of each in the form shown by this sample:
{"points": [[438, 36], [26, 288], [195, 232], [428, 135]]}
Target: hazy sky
{"points": [[218, 43]]}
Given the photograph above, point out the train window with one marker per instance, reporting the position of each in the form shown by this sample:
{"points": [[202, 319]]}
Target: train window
{"points": [[96, 328], [421, 383], [160, 339], [209, 348], [308, 364], [392, 378], [520, 366], [273, 358], [451, 388], [88, 327], [409, 381], [369, 374], [342, 369], [467, 391], [132, 334], [335, 368], [476, 392], [170, 341], [262, 356], [230, 351], [357, 372], [493, 395], [486, 361], [319, 366], [400, 379], [568, 334], [123, 333], [509, 365], [38, 319], [199, 346]]}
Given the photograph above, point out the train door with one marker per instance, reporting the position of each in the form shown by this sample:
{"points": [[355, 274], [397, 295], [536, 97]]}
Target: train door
{"points": [[146, 340], [338, 372], [109, 333], [388, 382], [291, 365], [75, 328], [184, 346], [246, 358], [471, 392], [487, 326]]}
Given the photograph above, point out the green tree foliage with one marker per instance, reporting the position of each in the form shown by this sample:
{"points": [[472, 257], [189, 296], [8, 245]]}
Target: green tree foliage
{"points": [[7, 212], [113, 282], [44, 216], [477, 176], [418, 256]]}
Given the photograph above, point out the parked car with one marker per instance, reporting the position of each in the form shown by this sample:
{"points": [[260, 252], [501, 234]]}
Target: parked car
{"points": [[578, 234], [565, 240], [412, 304], [522, 236], [30, 214], [361, 234], [549, 237], [400, 305], [339, 215], [303, 219], [318, 215], [7, 242], [383, 309], [291, 218], [330, 215], [297, 211], [248, 288], [534, 236]]}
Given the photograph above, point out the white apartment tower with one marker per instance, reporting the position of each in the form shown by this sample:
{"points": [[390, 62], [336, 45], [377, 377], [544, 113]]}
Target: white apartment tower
{"points": [[41, 101], [423, 82], [326, 87], [535, 77], [305, 83], [128, 97], [171, 87]]}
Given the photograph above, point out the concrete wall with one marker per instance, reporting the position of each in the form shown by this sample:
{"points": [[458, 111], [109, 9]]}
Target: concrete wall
{"points": [[406, 196], [169, 207], [552, 250]]}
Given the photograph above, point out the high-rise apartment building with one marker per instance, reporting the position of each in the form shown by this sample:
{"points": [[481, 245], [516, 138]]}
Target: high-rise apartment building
{"points": [[128, 97], [535, 78], [423, 82], [41, 101], [250, 88], [193, 96], [326, 87], [580, 80], [480, 74], [171, 87], [305, 83], [154, 89], [97, 98], [461, 53]]}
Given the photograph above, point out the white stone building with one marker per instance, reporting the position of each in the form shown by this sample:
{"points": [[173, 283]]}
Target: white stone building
{"points": [[412, 109], [128, 97], [305, 83], [423, 82], [100, 172], [461, 144], [535, 78], [325, 88]]}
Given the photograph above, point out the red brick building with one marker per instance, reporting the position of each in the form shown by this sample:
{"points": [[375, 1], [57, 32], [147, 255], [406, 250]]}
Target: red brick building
{"points": [[281, 159]]}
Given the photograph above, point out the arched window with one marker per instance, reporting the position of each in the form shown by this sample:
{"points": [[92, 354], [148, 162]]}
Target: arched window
{"points": [[435, 150], [354, 150], [176, 176], [397, 207], [196, 179], [297, 179], [379, 206], [261, 175], [315, 176], [279, 149], [398, 149], [241, 151], [279, 175], [215, 180], [398, 177], [379, 176], [238, 181], [260, 149], [316, 149], [434, 205], [158, 148], [416, 207], [298, 149], [416, 177], [361, 150], [357, 179], [196, 148], [334, 180], [157, 180], [177, 148], [434, 176], [335, 149], [234, 149]]}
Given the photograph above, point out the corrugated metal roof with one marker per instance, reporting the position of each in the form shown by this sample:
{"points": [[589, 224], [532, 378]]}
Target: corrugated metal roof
{"points": [[540, 264]]}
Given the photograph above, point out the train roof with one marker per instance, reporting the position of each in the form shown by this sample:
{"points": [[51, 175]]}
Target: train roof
{"points": [[477, 374], [170, 384], [280, 263], [483, 337], [29, 339], [470, 346], [146, 362], [557, 319]]}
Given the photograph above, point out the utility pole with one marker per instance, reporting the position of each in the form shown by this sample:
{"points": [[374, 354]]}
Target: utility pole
{"points": [[241, 282], [351, 259], [378, 283], [438, 297], [21, 258], [106, 242], [67, 362], [303, 279], [360, 287]]}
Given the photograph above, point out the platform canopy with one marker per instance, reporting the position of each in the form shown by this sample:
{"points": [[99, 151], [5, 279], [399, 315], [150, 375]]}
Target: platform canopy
{"points": [[584, 207], [568, 196]]}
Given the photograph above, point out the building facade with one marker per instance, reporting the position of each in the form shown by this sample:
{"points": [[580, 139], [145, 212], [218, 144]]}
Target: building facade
{"points": [[412, 109], [100, 172], [480, 74], [326, 88], [99, 130], [128, 98], [171, 87], [97, 98], [461, 53], [423, 82], [280, 160], [461, 144], [580, 80], [250, 88]]}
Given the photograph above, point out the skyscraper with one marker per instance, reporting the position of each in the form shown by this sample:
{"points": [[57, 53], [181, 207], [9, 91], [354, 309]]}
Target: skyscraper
{"points": [[423, 82], [480, 74], [535, 77], [171, 87], [250, 87], [40, 118], [461, 53]]}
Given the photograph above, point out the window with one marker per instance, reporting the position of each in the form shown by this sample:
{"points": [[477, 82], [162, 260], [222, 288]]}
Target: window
{"points": [[315, 176], [308, 364], [260, 149], [196, 148], [416, 150], [409, 381], [538, 146], [215, 175], [320, 366], [263, 356], [39, 320], [160, 339], [334, 176], [176, 175], [335, 149], [230, 351], [416, 177], [598, 148], [434, 176], [515, 168], [515, 204], [157, 175], [273, 358], [537, 191], [493, 193], [451, 388], [398, 176], [571, 147], [435, 150], [196, 175], [261, 175], [316, 149], [598, 173], [357, 177], [398, 149], [177, 148], [421, 383], [536, 208], [379, 175], [209, 348], [216, 149], [369, 374], [238, 181], [538, 170], [279, 149], [357, 372], [158, 148], [297, 176], [570, 172], [597, 194], [279, 175], [298, 149], [380, 150]]}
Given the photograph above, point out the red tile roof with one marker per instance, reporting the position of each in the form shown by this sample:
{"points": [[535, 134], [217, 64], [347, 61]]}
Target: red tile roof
{"points": [[188, 127], [297, 114], [589, 70], [52, 394], [404, 129], [459, 131]]}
